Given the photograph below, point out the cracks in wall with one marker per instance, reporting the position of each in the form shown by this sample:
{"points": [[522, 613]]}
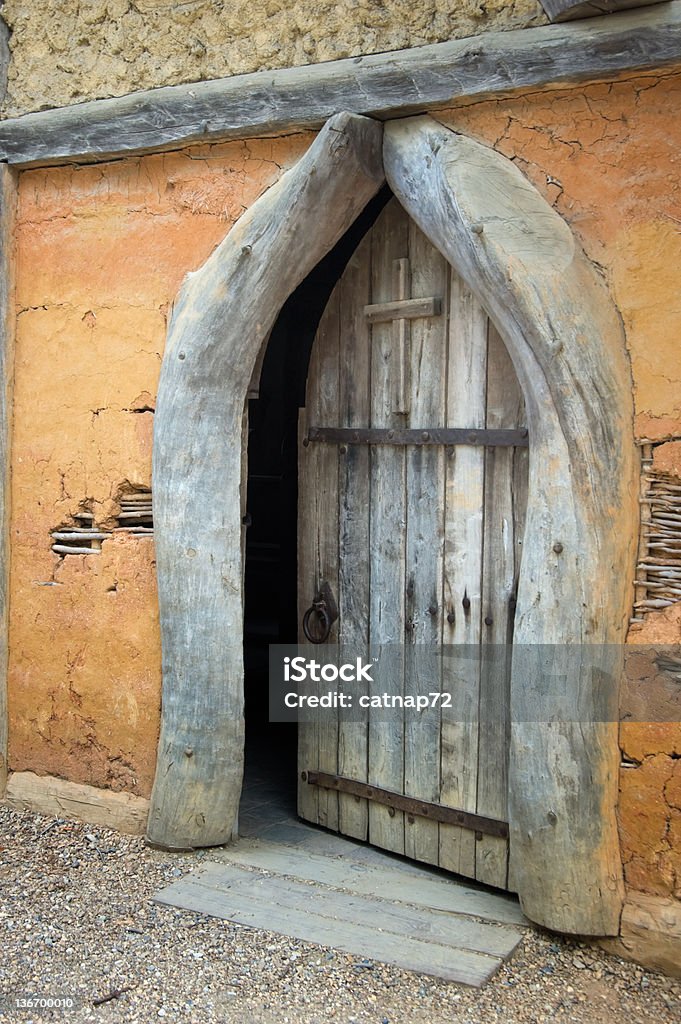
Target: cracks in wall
{"points": [[649, 817]]}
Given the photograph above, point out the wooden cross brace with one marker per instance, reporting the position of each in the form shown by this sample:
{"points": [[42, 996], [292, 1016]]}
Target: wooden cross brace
{"points": [[399, 312]]}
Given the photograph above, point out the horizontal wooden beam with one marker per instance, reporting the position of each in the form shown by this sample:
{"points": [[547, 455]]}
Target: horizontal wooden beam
{"points": [[384, 85], [45, 794], [402, 309]]}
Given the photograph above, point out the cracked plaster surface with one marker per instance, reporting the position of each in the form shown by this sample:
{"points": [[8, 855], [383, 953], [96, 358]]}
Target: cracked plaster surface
{"points": [[101, 253]]}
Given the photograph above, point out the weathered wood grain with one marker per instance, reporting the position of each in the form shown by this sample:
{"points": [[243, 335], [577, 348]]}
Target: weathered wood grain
{"points": [[505, 409], [308, 726], [384, 85], [387, 533], [354, 541], [214, 339], [424, 550], [566, 342], [407, 309], [7, 209], [45, 794], [566, 10], [381, 876], [321, 534], [413, 938], [462, 597]]}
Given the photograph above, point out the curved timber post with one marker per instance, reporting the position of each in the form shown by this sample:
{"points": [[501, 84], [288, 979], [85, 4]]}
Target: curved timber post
{"points": [[566, 341], [220, 321]]}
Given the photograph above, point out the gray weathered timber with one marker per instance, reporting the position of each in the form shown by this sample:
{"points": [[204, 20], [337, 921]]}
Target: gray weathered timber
{"points": [[414, 938], [384, 85], [447, 376], [424, 550], [366, 871], [7, 207], [566, 10], [308, 730], [566, 342], [322, 407], [387, 532], [214, 339], [505, 409], [354, 582], [461, 600]]}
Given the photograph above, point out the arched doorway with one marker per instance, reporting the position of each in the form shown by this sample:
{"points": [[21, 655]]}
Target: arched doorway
{"points": [[566, 343]]}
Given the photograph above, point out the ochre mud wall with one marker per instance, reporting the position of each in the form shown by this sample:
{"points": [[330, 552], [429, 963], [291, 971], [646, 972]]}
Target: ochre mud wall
{"points": [[101, 252], [67, 51], [607, 157]]}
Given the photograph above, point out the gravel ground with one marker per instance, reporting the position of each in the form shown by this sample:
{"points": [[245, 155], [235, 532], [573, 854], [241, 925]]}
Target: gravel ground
{"points": [[76, 919]]}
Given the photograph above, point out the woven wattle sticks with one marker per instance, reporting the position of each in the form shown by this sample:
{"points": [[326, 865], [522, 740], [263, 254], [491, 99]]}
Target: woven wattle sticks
{"points": [[658, 572]]}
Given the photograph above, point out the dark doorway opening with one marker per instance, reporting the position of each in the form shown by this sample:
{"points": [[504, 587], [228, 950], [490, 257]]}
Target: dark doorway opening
{"points": [[271, 569]]}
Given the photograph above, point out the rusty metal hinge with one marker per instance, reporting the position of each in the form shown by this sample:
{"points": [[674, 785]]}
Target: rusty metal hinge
{"points": [[417, 808]]}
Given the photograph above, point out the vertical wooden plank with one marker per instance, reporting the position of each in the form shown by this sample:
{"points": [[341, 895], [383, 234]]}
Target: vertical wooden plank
{"points": [[504, 409], [464, 498], [308, 730], [325, 495], [354, 505], [424, 545], [520, 487], [7, 318], [387, 613], [318, 544]]}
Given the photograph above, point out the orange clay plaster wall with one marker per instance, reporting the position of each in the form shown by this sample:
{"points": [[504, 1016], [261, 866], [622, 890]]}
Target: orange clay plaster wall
{"points": [[101, 254], [102, 251], [608, 158]]}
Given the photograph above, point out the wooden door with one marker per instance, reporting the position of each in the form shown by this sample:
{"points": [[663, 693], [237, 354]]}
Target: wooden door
{"points": [[412, 484]]}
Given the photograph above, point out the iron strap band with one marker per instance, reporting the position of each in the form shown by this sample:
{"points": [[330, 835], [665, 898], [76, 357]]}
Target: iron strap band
{"points": [[435, 435], [417, 808]]}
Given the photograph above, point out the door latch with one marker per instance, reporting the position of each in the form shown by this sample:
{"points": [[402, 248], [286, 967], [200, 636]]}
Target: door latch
{"points": [[321, 615]]}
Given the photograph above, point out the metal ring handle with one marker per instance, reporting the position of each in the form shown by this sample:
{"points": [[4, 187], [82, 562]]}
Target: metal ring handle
{"points": [[325, 619]]}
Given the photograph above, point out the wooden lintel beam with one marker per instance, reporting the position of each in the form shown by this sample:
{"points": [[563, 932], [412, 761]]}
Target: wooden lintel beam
{"points": [[384, 85]]}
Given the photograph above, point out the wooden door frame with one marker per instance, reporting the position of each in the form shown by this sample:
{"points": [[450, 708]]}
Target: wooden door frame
{"points": [[567, 344]]}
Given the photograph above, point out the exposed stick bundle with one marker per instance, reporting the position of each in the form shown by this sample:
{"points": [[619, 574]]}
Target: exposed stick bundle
{"points": [[79, 540], [658, 573], [136, 514], [86, 539]]}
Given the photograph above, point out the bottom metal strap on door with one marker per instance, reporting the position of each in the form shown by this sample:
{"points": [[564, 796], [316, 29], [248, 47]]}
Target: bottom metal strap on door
{"points": [[416, 808]]}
